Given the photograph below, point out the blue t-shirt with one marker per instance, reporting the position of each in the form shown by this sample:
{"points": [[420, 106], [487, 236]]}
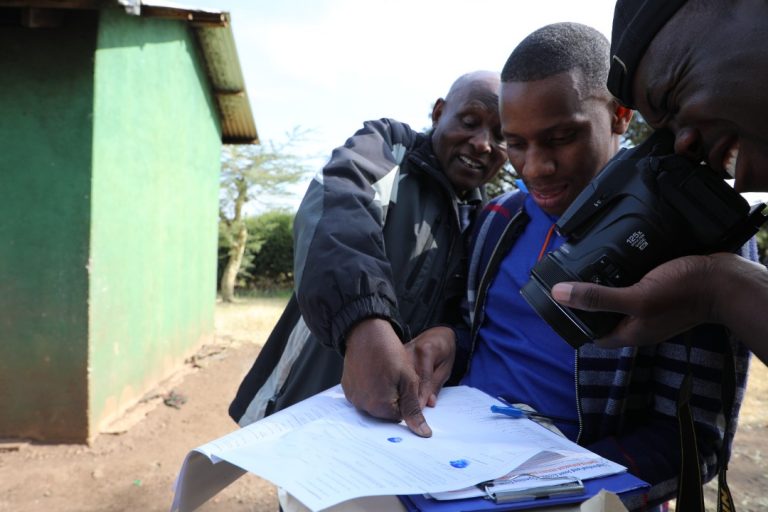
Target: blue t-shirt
{"points": [[518, 356]]}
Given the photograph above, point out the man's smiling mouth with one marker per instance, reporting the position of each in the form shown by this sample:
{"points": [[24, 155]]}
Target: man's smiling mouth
{"points": [[474, 164]]}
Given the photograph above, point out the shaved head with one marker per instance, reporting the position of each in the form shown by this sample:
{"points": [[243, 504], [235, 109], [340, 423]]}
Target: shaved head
{"points": [[489, 78]]}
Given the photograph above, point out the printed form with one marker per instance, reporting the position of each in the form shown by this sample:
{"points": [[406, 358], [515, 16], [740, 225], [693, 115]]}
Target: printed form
{"points": [[323, 451]]}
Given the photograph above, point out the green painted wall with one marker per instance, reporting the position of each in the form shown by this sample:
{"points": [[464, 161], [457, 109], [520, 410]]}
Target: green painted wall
{"points": [[45, 157], [156, 147], [109, 166]]}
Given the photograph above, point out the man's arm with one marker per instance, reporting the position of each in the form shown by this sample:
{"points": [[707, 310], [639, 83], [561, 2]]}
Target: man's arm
{"points": [[379, 376], [344, 282], [342, 272], [721, 288]]}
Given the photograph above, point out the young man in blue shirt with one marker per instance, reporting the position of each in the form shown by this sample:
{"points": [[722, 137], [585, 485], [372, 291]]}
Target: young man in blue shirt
{"points": [[562, 126]]}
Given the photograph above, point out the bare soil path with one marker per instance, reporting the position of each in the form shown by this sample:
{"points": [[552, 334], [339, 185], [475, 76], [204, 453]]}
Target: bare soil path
{"points": [[133, 468]]}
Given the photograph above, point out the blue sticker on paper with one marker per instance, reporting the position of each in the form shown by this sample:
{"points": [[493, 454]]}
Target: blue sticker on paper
{"points": [[460, 463]]}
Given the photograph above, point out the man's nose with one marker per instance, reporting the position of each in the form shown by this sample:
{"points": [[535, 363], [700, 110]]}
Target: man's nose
{"points": [[538, 162], [689, 143], [481, 141]]}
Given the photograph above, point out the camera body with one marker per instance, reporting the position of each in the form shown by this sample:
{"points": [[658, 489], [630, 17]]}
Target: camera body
{"points": [[646, 207]]}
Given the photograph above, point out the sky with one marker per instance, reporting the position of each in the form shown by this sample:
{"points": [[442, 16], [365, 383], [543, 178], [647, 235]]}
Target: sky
{"points": [[328, 65]]}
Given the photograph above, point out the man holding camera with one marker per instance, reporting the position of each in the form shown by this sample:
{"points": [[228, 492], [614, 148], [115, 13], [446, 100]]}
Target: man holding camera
{"points": [[698, 68], [562, 127]]}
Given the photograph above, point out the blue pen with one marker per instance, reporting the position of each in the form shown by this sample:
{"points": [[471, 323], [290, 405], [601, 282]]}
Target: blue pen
{"points": [[516, 412], [511, 411]]}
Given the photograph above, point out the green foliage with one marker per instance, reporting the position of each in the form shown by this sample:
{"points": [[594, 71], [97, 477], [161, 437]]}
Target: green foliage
{"points": [[504, 181], [762, 244], [271, 243], [637, 131], [268, 259], [249, 174]]}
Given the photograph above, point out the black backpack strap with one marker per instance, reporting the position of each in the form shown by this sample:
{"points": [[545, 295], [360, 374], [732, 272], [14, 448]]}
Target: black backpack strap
{"points": [[690, 492]]}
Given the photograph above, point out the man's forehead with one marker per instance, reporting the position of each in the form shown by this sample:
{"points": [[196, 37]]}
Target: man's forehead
{"points": [[635, 24], [479, 94]]}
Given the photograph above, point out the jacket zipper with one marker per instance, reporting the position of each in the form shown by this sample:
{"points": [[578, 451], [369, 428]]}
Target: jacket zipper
{"points": [[578, 397]]}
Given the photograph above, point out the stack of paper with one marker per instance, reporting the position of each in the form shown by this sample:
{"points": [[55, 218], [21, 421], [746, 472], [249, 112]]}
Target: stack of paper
{"points": [[323, 451]]}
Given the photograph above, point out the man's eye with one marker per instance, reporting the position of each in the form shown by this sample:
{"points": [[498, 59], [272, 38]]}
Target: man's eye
{"points": [[469, 121], [562, 138]]}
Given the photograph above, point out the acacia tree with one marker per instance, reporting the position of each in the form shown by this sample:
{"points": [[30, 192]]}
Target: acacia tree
{"points": [[249, 173]]}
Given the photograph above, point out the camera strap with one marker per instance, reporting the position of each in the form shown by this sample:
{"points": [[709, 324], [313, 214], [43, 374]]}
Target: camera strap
{"points": [[690, 492], [724, 498]]}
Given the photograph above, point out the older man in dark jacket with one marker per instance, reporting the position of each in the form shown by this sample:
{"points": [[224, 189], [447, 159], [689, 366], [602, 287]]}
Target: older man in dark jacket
{"points": [[379, 257]]}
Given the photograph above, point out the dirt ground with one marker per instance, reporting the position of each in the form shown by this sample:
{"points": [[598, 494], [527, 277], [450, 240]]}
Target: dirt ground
{"points": [[133, 467]]}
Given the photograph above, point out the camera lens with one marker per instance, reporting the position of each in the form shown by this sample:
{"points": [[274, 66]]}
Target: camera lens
{"points": [[577, 328]]}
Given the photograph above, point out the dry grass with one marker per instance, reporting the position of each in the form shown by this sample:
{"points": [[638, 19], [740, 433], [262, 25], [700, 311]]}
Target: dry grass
{"points": [[248, 319]]}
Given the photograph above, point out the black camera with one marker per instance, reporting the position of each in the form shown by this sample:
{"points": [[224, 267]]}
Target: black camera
{"points": [[647, 206]]}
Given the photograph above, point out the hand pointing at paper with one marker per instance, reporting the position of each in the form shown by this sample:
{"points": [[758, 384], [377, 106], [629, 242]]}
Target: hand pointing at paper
{"points": [[379, 377]]}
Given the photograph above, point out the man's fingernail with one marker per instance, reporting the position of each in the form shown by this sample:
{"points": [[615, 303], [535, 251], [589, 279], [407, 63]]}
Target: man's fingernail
{"points": [[562, 292], [424, 430]]}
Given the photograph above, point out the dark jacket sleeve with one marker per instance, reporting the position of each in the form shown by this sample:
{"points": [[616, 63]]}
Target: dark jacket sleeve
{"points": [[341, 268]]}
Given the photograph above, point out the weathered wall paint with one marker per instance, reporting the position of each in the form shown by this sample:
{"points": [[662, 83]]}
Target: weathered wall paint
{"points": [[45, 176], [109, 160], [155, 201]]}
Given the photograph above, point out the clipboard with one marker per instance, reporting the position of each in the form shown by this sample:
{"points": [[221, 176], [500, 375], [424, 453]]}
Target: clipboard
{"points": [[621, 484]]}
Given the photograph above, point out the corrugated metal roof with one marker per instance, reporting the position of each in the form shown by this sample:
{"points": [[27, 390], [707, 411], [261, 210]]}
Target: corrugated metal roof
{"points": [[213, 32], [217, 44]]}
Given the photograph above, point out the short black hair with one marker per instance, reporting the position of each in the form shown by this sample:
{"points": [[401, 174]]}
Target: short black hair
{"points": [[558, 48]]}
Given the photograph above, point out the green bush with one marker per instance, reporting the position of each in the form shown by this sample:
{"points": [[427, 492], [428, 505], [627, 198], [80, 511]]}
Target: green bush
{"points": [[268, 259], [270, 241]]}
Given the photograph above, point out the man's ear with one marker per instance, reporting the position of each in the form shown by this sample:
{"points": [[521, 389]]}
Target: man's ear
{"points": [[437, 111], [621, 118]]}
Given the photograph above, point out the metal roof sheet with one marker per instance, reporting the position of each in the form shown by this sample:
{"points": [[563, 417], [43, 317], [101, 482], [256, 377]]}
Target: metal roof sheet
{"points": [[213, 32]]}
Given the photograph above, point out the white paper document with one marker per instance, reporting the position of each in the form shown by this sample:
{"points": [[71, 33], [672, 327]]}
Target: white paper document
{"points": [[323, 451]]}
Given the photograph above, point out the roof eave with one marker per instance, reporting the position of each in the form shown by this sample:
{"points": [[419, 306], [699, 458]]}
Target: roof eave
{"points": [[213, 32]]}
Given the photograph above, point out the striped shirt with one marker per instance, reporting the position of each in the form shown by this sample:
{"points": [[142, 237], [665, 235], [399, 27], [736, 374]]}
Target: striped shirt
{"points": [[627, 397]]}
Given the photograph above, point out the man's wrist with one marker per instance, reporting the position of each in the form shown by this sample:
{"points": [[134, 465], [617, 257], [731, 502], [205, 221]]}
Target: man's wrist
{"points": [[368, 330], [733, 284]]}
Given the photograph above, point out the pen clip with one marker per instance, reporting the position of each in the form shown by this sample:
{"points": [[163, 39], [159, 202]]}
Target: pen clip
{"points": [[514, 411], [572, 486]]}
